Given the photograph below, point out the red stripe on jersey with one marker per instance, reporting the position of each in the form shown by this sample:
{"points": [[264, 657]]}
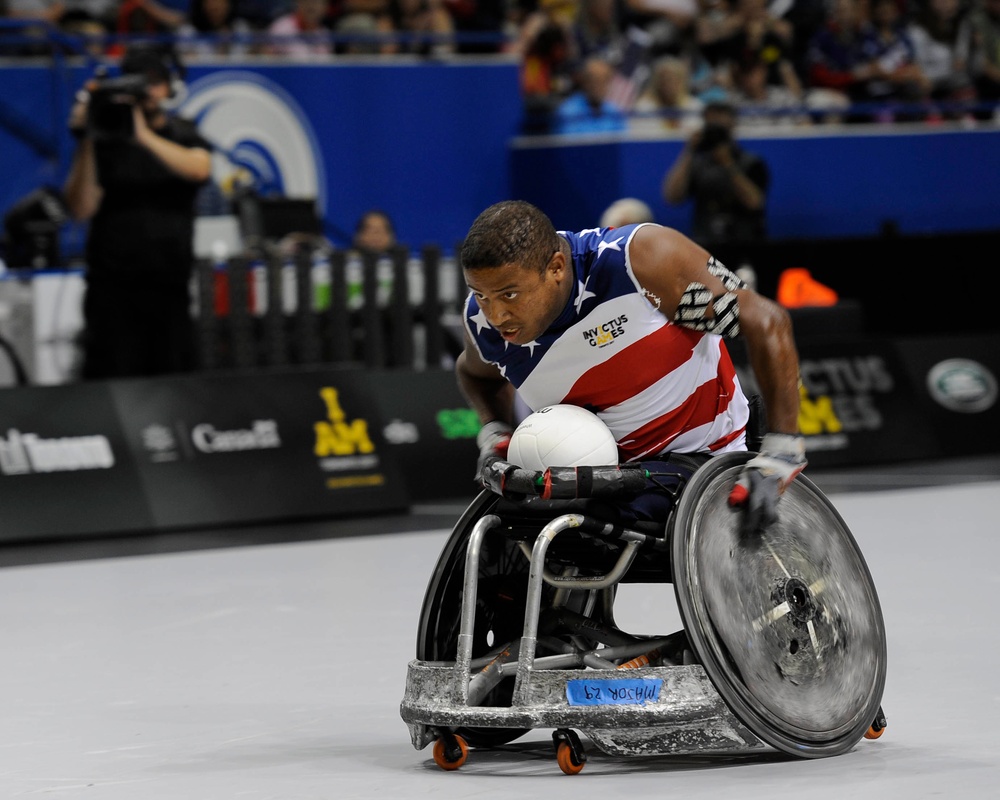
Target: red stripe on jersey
{"points": [[702, 408], [634, 369]]}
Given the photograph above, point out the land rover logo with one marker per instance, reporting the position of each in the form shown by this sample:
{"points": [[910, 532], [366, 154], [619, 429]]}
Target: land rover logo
{"points": [[960, 384]]}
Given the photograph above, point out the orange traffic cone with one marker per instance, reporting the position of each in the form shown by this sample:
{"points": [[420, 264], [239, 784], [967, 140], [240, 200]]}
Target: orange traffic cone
{"points": [[798, 288]]}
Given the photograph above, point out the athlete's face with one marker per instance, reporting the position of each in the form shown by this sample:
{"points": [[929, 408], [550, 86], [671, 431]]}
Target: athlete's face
{"points": [[521, 302]]}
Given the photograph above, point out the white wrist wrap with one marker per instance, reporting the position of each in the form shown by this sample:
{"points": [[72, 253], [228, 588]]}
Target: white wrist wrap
{"points": [[491, 432]]}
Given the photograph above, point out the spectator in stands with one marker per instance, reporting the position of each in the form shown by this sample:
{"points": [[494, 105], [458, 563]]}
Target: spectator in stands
{"points": [[102, 12], [303, 33], [836, 59], [727, 184], [588, 110], [359, 32], [891, 66], [416, 19], [762, 103], [214, 29], [135, 176], [479, 24], [597, 31], [144, 17], [718, 21], [545, 47], [90, 19], [762, 40], [626, 211], [935, 32], [27, 12], [979, 50], [666, 24], [374, 232], [374, 235], [666, 104], [46, 11]]}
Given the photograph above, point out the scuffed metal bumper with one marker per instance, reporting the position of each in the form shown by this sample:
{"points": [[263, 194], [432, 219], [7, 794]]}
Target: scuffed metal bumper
{"points": [[687, 716]]}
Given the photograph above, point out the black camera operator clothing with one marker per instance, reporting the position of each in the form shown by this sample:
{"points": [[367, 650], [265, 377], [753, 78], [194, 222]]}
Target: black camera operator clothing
{"points": [[719, 217], [139, 261]]}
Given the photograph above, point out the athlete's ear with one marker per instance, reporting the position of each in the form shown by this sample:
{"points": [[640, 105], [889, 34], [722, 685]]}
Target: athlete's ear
{"points": [[557, 264]]}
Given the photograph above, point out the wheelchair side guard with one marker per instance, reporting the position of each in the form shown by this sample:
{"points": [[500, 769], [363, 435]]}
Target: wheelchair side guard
{"points": [[787, 623]]}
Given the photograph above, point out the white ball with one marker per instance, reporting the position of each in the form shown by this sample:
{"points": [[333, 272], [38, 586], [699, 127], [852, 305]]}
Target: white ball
{"points": [[562, 436]]}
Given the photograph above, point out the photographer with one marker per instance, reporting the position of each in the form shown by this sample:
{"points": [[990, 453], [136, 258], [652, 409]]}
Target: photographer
{"points": [[727, 183], [135, 175]]}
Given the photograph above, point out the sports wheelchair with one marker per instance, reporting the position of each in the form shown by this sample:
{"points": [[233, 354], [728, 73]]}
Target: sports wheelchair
{"points": [[782, 646]]}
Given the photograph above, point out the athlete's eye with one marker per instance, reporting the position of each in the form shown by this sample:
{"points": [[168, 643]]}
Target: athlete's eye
{"points": [[509, 295]]}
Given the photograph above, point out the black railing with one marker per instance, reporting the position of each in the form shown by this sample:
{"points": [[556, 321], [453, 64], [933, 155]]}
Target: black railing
{"points": [[321, 306]]}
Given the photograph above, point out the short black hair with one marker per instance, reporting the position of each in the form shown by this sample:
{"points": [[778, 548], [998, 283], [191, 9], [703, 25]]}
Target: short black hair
{"points": [[510, 232]]}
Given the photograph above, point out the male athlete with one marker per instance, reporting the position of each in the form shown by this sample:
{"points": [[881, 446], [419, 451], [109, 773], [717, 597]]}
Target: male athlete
{"points": [[631, 324]]}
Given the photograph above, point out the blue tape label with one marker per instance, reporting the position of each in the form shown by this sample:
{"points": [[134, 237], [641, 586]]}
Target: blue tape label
{"points": [[613, 692]]}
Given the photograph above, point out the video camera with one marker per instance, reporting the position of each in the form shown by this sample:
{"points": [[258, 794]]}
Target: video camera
{"points": [[109, 114], [712, 135]]}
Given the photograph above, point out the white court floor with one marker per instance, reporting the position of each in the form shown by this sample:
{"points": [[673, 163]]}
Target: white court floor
{"points": [[276, 671]]}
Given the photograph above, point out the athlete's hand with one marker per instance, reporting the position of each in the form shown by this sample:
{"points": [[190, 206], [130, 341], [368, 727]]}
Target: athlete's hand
{"points": [[765, 477], [493, 439]]}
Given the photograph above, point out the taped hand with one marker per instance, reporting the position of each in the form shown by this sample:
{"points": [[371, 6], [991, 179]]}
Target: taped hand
{"points": [[765, 477], [493, 440]]}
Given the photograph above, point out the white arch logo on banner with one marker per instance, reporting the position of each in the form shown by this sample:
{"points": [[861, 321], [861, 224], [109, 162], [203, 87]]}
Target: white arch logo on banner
{"points": [[261, 133]]}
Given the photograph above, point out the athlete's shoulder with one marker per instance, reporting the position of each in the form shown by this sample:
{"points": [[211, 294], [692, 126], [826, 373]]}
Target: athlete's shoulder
{"points": [[601, 238]]}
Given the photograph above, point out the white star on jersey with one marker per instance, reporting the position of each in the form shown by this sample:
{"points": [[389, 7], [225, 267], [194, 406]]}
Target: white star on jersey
{"points": [[531, 347], [582, 293], [609, 246], [481, 321]]}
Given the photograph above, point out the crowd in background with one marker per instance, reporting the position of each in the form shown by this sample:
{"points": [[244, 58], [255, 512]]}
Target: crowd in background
{"points": [[609, 65]]}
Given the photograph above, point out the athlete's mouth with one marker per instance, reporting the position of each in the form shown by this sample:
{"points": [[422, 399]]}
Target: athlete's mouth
{"points": [[509, 334]]}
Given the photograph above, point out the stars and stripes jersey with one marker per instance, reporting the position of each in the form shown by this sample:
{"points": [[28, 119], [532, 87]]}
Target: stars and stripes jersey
{"points": [[658, 386]]}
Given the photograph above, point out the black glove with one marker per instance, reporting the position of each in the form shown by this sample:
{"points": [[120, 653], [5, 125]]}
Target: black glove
{"points": [[493, 440], [765, 477]]}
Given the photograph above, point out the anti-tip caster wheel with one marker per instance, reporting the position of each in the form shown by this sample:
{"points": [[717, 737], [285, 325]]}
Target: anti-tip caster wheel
{"points": [[878, 726], [570, 754], [450, 751]]}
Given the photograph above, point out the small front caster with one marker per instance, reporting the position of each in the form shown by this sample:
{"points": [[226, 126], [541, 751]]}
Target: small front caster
{"points": [[570, 754], [450, 751]]}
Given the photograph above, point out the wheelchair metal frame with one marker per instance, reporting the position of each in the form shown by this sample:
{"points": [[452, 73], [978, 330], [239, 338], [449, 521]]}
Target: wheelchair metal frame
{"points": [[631, 695]]}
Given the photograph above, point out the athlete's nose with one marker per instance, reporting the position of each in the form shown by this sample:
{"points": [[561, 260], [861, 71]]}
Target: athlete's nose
{"points": [[497, 315]]}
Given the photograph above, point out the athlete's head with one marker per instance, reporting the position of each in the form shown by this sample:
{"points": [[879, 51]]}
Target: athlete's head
{"points": [[518, 269], [511, 232]]}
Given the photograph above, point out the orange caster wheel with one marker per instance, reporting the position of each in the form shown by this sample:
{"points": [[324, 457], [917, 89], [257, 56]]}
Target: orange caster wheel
{"points": [[567, 761], [450, 751], [877, 727], [570, 754]]}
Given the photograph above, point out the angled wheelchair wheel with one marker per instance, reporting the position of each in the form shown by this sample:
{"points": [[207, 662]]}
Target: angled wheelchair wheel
{"points": [[787, 623], [500, 602]]}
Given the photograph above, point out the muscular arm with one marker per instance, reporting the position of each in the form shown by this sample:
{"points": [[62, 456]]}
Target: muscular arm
{"points": [[665, 262], [488, 392]]}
